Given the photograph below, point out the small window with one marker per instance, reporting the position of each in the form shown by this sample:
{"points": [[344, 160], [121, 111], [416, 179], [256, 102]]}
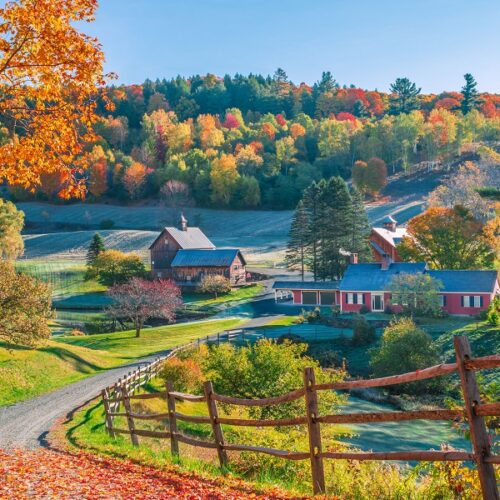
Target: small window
{"points": [[466, 302], [360, 299], [327, 298], [477, 301], [236, 267], [442, 300], [309, 298], [350, 298]]}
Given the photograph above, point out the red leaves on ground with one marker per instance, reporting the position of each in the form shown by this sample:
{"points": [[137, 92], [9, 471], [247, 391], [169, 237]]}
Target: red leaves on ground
{"points": [[53, 474]]}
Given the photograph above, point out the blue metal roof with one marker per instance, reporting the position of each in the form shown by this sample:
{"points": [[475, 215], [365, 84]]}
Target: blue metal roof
{"points": [[206, 258], [306, 285], [466, 281], [371, 277]]}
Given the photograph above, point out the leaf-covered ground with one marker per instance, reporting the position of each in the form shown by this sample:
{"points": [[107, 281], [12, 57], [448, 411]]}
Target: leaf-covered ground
{"points": [[54, 474]]}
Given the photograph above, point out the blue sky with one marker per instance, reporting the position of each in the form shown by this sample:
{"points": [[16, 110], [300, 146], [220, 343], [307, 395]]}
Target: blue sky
{"points": [[367, 42]]}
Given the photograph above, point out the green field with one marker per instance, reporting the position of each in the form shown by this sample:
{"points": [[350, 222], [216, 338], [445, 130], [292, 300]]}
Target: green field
{"points": [[67, 359]]}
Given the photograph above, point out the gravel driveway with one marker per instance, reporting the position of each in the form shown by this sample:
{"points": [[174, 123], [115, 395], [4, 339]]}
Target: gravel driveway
{"points": [[25, 424]]}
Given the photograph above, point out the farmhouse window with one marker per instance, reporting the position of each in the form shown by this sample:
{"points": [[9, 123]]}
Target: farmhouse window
{"points": [[360, 299], [472, 301], [442, 300], [327, 298], [350, 298]]}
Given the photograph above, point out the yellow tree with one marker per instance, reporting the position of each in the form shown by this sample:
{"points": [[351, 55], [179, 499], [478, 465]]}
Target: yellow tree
{"points": [[223, 177], [50, 74]]}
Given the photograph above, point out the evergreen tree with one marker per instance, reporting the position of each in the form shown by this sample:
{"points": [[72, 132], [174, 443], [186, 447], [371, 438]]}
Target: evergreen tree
{"points": [[359, 109], [359, 227], [95, 248], [469, 91], [326, 84], [299, 239], [404, 96], [311, 203]]}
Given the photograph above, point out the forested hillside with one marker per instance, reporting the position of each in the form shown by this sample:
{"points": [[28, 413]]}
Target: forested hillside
{"points": [[254, 141]]}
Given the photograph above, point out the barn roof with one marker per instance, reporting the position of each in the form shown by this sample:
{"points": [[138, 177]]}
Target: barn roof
{"points": [[206, 258], [306, 285], [466, 281], [192, 237], [392, 237], [371, 277]]}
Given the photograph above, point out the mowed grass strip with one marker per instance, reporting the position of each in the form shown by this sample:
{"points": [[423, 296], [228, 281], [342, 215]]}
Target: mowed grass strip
{"points": [[26, 373]]}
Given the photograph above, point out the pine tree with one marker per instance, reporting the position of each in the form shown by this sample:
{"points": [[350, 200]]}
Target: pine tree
{"points": [[359, 227], [95, 248], [311, 204], [404, 96], [299, 239], [469, 91], [359, 109]]}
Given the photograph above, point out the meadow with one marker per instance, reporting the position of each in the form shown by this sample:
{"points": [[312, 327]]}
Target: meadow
{"points": [[68, 359]]}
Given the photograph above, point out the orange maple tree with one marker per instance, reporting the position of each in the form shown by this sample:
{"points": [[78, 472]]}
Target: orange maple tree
{"points": [[50, 77]]}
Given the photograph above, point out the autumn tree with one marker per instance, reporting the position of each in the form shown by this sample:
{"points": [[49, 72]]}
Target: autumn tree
{"points": [[134, 179], [176, 194], [214, 284], [140, 300], [113, 267], [11, 225], [447, 238], [404, 96], [50, 74], [375, 175], [223, 177], [26, 307]]}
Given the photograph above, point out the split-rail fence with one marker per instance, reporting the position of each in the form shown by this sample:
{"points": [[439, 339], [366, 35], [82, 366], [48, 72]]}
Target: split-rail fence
{"points": [[473, 411]]}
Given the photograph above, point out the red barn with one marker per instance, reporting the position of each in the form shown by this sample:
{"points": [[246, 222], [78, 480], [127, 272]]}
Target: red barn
{"points": [[383, 240]]}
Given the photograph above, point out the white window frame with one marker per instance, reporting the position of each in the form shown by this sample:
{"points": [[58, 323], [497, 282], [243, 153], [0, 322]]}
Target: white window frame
{"points": [[441, 301], [350, 298], [360, 299], [476, 301], [467, 301]]}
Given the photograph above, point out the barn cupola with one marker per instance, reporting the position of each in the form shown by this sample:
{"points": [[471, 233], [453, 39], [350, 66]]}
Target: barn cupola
{"points": [[390, 223], [183, 223]]}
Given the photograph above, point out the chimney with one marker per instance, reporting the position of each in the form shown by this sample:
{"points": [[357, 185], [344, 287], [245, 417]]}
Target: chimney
{"points": [[184, 223], [353, 258], [385, 263]]}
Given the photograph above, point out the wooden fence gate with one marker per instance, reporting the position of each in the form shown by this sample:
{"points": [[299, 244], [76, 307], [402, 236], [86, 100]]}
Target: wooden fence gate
{"points": [[473, 411]]}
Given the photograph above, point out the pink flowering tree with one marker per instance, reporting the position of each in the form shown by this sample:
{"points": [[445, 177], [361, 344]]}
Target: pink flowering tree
{"points": [[139, 300]]}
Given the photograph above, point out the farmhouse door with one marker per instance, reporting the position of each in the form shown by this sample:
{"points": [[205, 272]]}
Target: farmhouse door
{"points": [[377, 302]]}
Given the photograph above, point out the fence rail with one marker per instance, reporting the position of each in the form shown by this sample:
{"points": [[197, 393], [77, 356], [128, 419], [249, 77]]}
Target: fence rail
{"points": [[473, 411]]}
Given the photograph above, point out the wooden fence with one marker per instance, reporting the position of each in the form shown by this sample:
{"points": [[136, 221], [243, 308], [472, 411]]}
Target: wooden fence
{"points": [[473, 411]]}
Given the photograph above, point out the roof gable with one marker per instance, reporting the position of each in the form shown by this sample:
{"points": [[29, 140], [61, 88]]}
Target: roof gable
{"points": [[206, 258], [192, 237], [392, 237]]}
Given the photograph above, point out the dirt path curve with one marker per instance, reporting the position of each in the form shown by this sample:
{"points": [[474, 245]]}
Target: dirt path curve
{"points": [[47, 474], [25, 424]]}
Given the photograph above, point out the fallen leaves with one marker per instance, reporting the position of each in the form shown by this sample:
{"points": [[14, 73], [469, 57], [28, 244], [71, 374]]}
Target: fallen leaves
{"points": [[48, 473]]}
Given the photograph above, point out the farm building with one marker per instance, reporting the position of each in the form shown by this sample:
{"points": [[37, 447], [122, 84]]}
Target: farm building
{"points": [[368, 284], [190, 266], [186, 255], [383, 240]]}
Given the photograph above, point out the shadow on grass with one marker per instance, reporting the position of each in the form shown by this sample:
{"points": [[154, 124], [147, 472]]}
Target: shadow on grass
{"points": [[78, 362]]}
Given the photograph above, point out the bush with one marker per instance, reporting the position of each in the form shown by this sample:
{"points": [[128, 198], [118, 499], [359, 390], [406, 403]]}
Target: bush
{"points": [[311, 316], [364, 309], [106, 224], [75, 332], [214, 285], [185, 374], [405, 348], [493, 315], [362, 332]]}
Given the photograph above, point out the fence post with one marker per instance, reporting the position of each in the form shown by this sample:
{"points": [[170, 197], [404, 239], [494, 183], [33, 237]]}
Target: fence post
{"points": [[109, 418], [174, 443], [478, 432], [216, 427], [314, 432], [130, 419]]}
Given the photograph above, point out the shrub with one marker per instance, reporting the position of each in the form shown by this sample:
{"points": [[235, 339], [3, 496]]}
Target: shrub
{"points": [[362, 332], [106, 224], [75, 332], [215, 285], [364, 309], [311, 316], [493, 315], [405, 348], [185, 374]]}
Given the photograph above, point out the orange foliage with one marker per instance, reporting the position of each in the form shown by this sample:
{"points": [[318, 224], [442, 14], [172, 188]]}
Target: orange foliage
{"points": [[269, 130], [46, 62], [98, 179], [133, 179], [297, 130]]}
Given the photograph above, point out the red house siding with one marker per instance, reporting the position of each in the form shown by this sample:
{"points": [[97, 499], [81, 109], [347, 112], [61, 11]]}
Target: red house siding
{"points": [[454, 303], [297, 296]]}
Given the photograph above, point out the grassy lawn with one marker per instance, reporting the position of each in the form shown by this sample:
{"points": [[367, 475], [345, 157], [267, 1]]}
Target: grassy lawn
{"points": [[25, 373], [243, 293]]}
